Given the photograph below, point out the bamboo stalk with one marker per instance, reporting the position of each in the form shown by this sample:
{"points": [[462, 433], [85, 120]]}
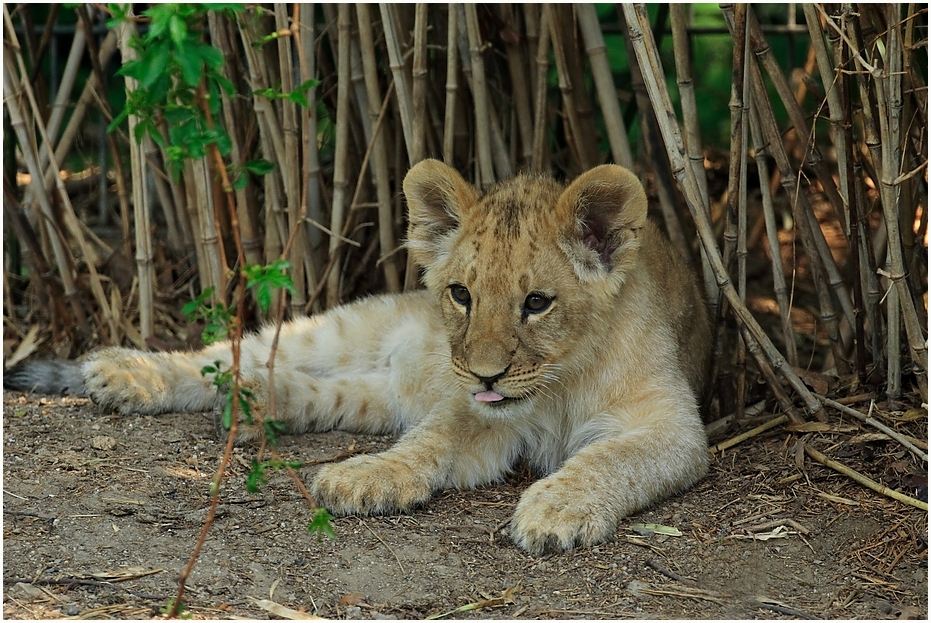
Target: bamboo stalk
{"points": [[566, 88], [604, 84], [60, 105], [866, 419], [402, 86], [888, 91], [251, 241], [738, 13], [452, 86], [650, 137], [815, 159], [742, 229], [680, 41], [272, 146], [539, 116], [813, 156], [863, 480], [772, 238], [62, 256], [380, 173], [310, 161], [292, 184], [68, 210], [480, 97], [836, 117], [647, 56], [341, 157], [520, 92], [107, 48], [762, 428], [808, 230], [419, 80]]}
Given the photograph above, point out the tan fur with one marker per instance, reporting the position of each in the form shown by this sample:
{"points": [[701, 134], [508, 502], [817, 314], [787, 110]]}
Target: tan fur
{"points": [[603, 383]]}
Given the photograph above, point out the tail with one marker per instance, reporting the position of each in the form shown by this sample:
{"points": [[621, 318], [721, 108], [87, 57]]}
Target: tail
{"points": [[46, 377]]}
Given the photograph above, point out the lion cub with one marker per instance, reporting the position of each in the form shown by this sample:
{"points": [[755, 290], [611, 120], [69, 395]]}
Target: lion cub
{"points": [[558, 325]]}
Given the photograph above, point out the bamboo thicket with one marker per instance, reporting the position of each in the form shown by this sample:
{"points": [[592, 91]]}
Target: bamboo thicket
{"points": [[808, 220]]}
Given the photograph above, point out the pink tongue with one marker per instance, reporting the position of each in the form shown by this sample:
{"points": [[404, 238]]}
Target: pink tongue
{"points": [[488, 396]]}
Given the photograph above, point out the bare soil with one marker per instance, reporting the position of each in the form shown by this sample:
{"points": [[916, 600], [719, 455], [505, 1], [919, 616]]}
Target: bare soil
{"points": [[101, 512]]}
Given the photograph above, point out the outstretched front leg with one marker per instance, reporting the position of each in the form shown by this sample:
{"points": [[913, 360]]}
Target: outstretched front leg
{"points": [[450, 448], [659, 448]]}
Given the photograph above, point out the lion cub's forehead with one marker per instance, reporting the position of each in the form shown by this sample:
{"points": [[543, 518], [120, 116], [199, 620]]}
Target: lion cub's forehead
{"points": [[518, 208]]}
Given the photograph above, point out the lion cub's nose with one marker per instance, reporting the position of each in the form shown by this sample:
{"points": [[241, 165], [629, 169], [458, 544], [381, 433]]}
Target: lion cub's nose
{"points": [[488, 381]]}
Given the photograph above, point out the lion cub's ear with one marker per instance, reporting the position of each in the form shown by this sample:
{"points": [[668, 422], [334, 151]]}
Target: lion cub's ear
{"points": [[437, 197], [603, 211]]}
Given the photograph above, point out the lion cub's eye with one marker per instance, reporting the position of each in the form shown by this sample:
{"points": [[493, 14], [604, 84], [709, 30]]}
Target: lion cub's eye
{"points": [[536, 303], [460, 294]]}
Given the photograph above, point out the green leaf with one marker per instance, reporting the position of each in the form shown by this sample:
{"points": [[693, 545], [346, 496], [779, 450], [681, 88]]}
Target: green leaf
{"points": [[118, 120], [192, 68], [320, 524], [259, 167], [298, 98], [177, 27], [255, 477], [159, 16], [208, 370], [228, 412]]}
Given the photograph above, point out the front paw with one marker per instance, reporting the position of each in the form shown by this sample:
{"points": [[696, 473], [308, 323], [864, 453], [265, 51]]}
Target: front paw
{"points": [[556, 514], [370, 485], [124, 380]]}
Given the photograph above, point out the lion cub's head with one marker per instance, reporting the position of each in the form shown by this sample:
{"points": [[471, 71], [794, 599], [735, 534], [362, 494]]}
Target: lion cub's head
{"points": [[523, 272]]}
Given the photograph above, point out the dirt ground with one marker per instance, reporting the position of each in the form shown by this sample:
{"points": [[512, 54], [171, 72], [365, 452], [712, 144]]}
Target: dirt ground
{"points": [[101, 512]]}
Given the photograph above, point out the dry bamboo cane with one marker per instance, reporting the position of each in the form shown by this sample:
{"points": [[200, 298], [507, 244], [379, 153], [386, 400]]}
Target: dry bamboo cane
{"points": [[584, 101], [678, 18], [60, 105], [62, 256], [568, 94], [835, 109], [850, 195], [292, 182], [889, 97], [272, 147], [539, 109], [768, 61], [801, 209], [341, 156], [250, 238], [452, 86], [648, 58], [380, 174], [772, 237], [869, 123], [107, 48], [742, 232], [682, 55], [604, 83], [419, 82], [68, 210], [500, 154], [402, 86], [666, 200], [311, 195], [519, 88], [738, 15], [480, 97], [531, 12], [873, 157]]}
